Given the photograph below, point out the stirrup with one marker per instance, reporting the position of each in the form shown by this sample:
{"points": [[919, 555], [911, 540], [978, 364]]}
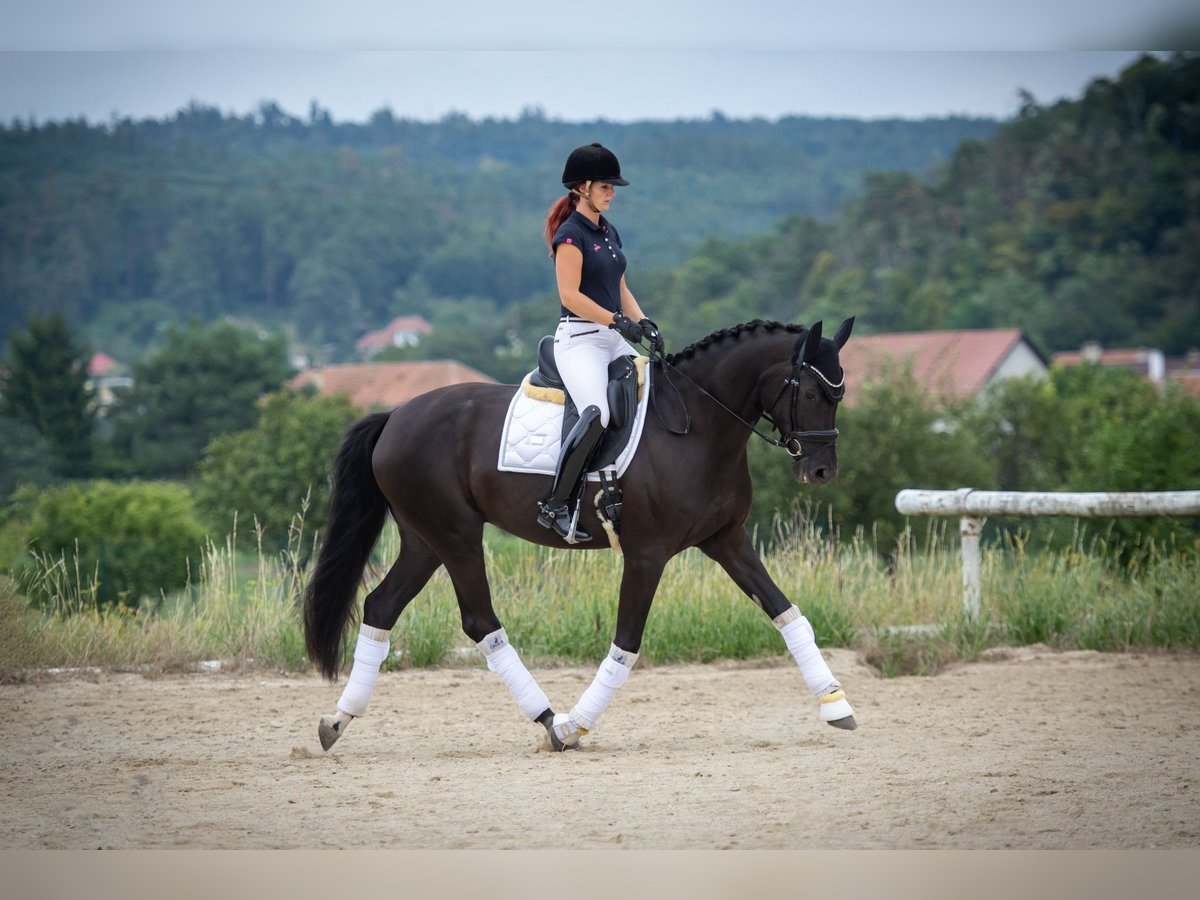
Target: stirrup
{"points": [[560, 520]]}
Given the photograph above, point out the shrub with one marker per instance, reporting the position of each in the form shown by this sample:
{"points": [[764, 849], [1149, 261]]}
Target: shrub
{"points": [[124, 542]]}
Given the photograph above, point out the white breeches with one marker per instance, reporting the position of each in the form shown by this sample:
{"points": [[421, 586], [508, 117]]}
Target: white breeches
{"points": [[583, 351]]}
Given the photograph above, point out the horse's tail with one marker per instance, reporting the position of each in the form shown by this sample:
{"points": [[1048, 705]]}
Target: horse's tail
{"points": [[357, 510]]}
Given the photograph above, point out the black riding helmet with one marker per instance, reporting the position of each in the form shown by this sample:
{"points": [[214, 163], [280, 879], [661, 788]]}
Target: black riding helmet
{"points": [[592, 162]]}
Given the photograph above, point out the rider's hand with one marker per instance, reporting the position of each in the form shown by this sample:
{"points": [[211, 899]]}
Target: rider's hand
{"points": [[651, 333], [626, 327]]}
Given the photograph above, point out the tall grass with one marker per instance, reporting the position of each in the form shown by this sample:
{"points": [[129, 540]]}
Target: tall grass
{"points": [[561, 607]]}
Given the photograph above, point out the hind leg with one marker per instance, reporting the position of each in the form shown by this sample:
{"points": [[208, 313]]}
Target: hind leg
{"points": [[639, 581], [480, 623], [411, 572]]}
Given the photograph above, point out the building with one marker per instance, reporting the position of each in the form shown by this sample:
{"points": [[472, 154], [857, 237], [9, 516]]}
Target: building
{"points": [[372, 386], [952, 365], [405, 331], [1149, 362], [105, 376]]}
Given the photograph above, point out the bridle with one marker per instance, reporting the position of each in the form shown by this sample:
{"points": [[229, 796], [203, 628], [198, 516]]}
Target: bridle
{"points": [[793, 441]]}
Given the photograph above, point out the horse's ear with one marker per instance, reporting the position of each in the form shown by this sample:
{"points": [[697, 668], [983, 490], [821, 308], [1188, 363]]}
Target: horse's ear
{"points": [[811, 345], [843, 333], [807, 346]]}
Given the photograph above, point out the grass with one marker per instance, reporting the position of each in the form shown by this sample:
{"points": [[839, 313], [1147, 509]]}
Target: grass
{"points": [[242, 609]]}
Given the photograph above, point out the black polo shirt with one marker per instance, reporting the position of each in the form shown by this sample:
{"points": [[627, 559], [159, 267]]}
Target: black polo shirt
{"points": [[603, 259]]}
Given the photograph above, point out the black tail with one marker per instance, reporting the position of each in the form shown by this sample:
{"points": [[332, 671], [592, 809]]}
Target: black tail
{"points": [[357, 510]]}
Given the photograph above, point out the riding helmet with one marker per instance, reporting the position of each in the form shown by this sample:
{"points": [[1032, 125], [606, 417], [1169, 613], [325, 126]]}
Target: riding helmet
{"points": [[592, 162]]}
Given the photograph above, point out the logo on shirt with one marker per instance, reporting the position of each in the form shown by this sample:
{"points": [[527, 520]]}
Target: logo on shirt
{"points": [[596, 247]]}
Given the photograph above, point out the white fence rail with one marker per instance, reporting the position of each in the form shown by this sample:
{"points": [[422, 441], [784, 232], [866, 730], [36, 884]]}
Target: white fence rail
{"points": [[972, 507]]}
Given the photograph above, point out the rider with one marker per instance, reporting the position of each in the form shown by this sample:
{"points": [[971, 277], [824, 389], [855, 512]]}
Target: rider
{"points": [[589, 267]]}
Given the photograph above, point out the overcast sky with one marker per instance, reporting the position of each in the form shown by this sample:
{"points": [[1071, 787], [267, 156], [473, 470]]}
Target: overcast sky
{"points": [[620, 60]]}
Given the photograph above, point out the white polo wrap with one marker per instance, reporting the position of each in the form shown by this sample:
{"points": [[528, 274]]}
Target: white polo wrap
{"points": [[502, 659], [798, 634], [613, 673], [369, 654]]}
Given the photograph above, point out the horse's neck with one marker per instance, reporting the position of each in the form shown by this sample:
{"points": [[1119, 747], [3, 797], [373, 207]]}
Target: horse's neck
{"points": [[732, 374]]}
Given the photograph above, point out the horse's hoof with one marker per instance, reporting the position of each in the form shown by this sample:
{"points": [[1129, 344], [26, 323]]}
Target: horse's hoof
{"points": [[836, 710], [564, 734], [332, 728]]}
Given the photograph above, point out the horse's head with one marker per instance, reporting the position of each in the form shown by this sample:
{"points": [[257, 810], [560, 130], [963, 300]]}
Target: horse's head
{"points": [[805, 405]]}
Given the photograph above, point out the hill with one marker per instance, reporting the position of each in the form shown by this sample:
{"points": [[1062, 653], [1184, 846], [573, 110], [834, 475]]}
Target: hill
{"points": [[332, 229], [1076, 222]]}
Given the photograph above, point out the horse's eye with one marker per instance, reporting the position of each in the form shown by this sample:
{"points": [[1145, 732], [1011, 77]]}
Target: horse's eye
{"points": [[810, 396]]}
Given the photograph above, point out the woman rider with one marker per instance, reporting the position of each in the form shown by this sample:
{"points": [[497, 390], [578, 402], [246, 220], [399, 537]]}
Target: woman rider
{"points": [[599, 314]]}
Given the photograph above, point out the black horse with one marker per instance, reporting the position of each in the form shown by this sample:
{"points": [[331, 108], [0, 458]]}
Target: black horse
{"points": [[432, 463]]}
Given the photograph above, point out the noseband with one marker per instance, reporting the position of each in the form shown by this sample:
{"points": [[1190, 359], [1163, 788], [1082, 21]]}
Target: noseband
{"points": [[793, 441]]}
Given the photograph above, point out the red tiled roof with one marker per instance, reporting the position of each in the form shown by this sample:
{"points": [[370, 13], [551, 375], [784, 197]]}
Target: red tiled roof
{"points": [[375, 385], [384, 337], [1136, 359], [100, 365], [950, 364]]}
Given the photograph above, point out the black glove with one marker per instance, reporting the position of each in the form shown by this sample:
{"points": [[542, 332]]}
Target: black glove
{"points": [[650, 331], [627, 328]]}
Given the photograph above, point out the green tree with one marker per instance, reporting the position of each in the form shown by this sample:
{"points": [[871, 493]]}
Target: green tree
{"points": [[1093, 428], [267, 474], [46, 388], [25, 457], [892, 438], [204, 382]]}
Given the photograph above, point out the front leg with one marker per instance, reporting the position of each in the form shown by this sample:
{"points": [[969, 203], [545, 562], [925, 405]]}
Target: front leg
{"points": [[734, 552], [639, 581]]}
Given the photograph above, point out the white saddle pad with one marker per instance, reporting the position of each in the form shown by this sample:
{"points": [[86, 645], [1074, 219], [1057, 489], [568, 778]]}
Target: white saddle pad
{"points": [[532, 435]]}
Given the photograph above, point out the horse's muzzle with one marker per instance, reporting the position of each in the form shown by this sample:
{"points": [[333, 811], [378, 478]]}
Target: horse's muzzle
{"points": [[814, 470]]}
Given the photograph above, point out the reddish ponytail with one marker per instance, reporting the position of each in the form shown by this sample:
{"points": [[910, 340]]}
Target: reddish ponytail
{"points": [[558, 213]]}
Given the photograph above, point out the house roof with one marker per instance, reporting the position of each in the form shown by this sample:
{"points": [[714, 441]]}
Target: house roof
{"points": [[950, 364], [100, 365], [374, 385], [1135, 358], [385, 336]]}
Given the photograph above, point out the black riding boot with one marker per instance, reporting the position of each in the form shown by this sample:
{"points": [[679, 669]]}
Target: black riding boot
{"points": [[555, 512]]}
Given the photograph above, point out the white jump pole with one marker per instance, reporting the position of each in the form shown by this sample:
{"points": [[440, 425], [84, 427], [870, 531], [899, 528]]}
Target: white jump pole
{"points": [[972, 506]]}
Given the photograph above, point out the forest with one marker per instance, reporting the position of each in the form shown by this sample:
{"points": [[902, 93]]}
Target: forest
{"points": [[324, 231]]}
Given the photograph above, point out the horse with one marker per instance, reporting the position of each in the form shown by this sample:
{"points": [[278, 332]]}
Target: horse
{"points": [[432, 464]]}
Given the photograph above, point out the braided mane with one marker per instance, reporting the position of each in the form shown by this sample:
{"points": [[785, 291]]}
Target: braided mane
{"points": [[728, 334]]}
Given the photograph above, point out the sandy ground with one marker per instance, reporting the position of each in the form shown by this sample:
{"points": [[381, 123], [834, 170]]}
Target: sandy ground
{"points": [[1035, 749]]}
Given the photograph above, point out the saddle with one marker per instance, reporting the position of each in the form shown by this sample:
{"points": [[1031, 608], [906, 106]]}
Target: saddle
{"points": [[545, 383]]}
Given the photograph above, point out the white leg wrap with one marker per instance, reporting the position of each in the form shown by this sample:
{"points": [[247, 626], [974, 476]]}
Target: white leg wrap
{"points": [[798, 634], [613, 673], [502, 659], [369, 654]]}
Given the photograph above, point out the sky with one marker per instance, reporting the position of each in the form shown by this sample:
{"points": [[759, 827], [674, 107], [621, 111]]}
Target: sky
{"points": [[617, 60]]}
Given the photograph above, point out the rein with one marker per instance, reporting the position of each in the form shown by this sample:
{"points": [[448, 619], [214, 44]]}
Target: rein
{"points": [[834, 392]]}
